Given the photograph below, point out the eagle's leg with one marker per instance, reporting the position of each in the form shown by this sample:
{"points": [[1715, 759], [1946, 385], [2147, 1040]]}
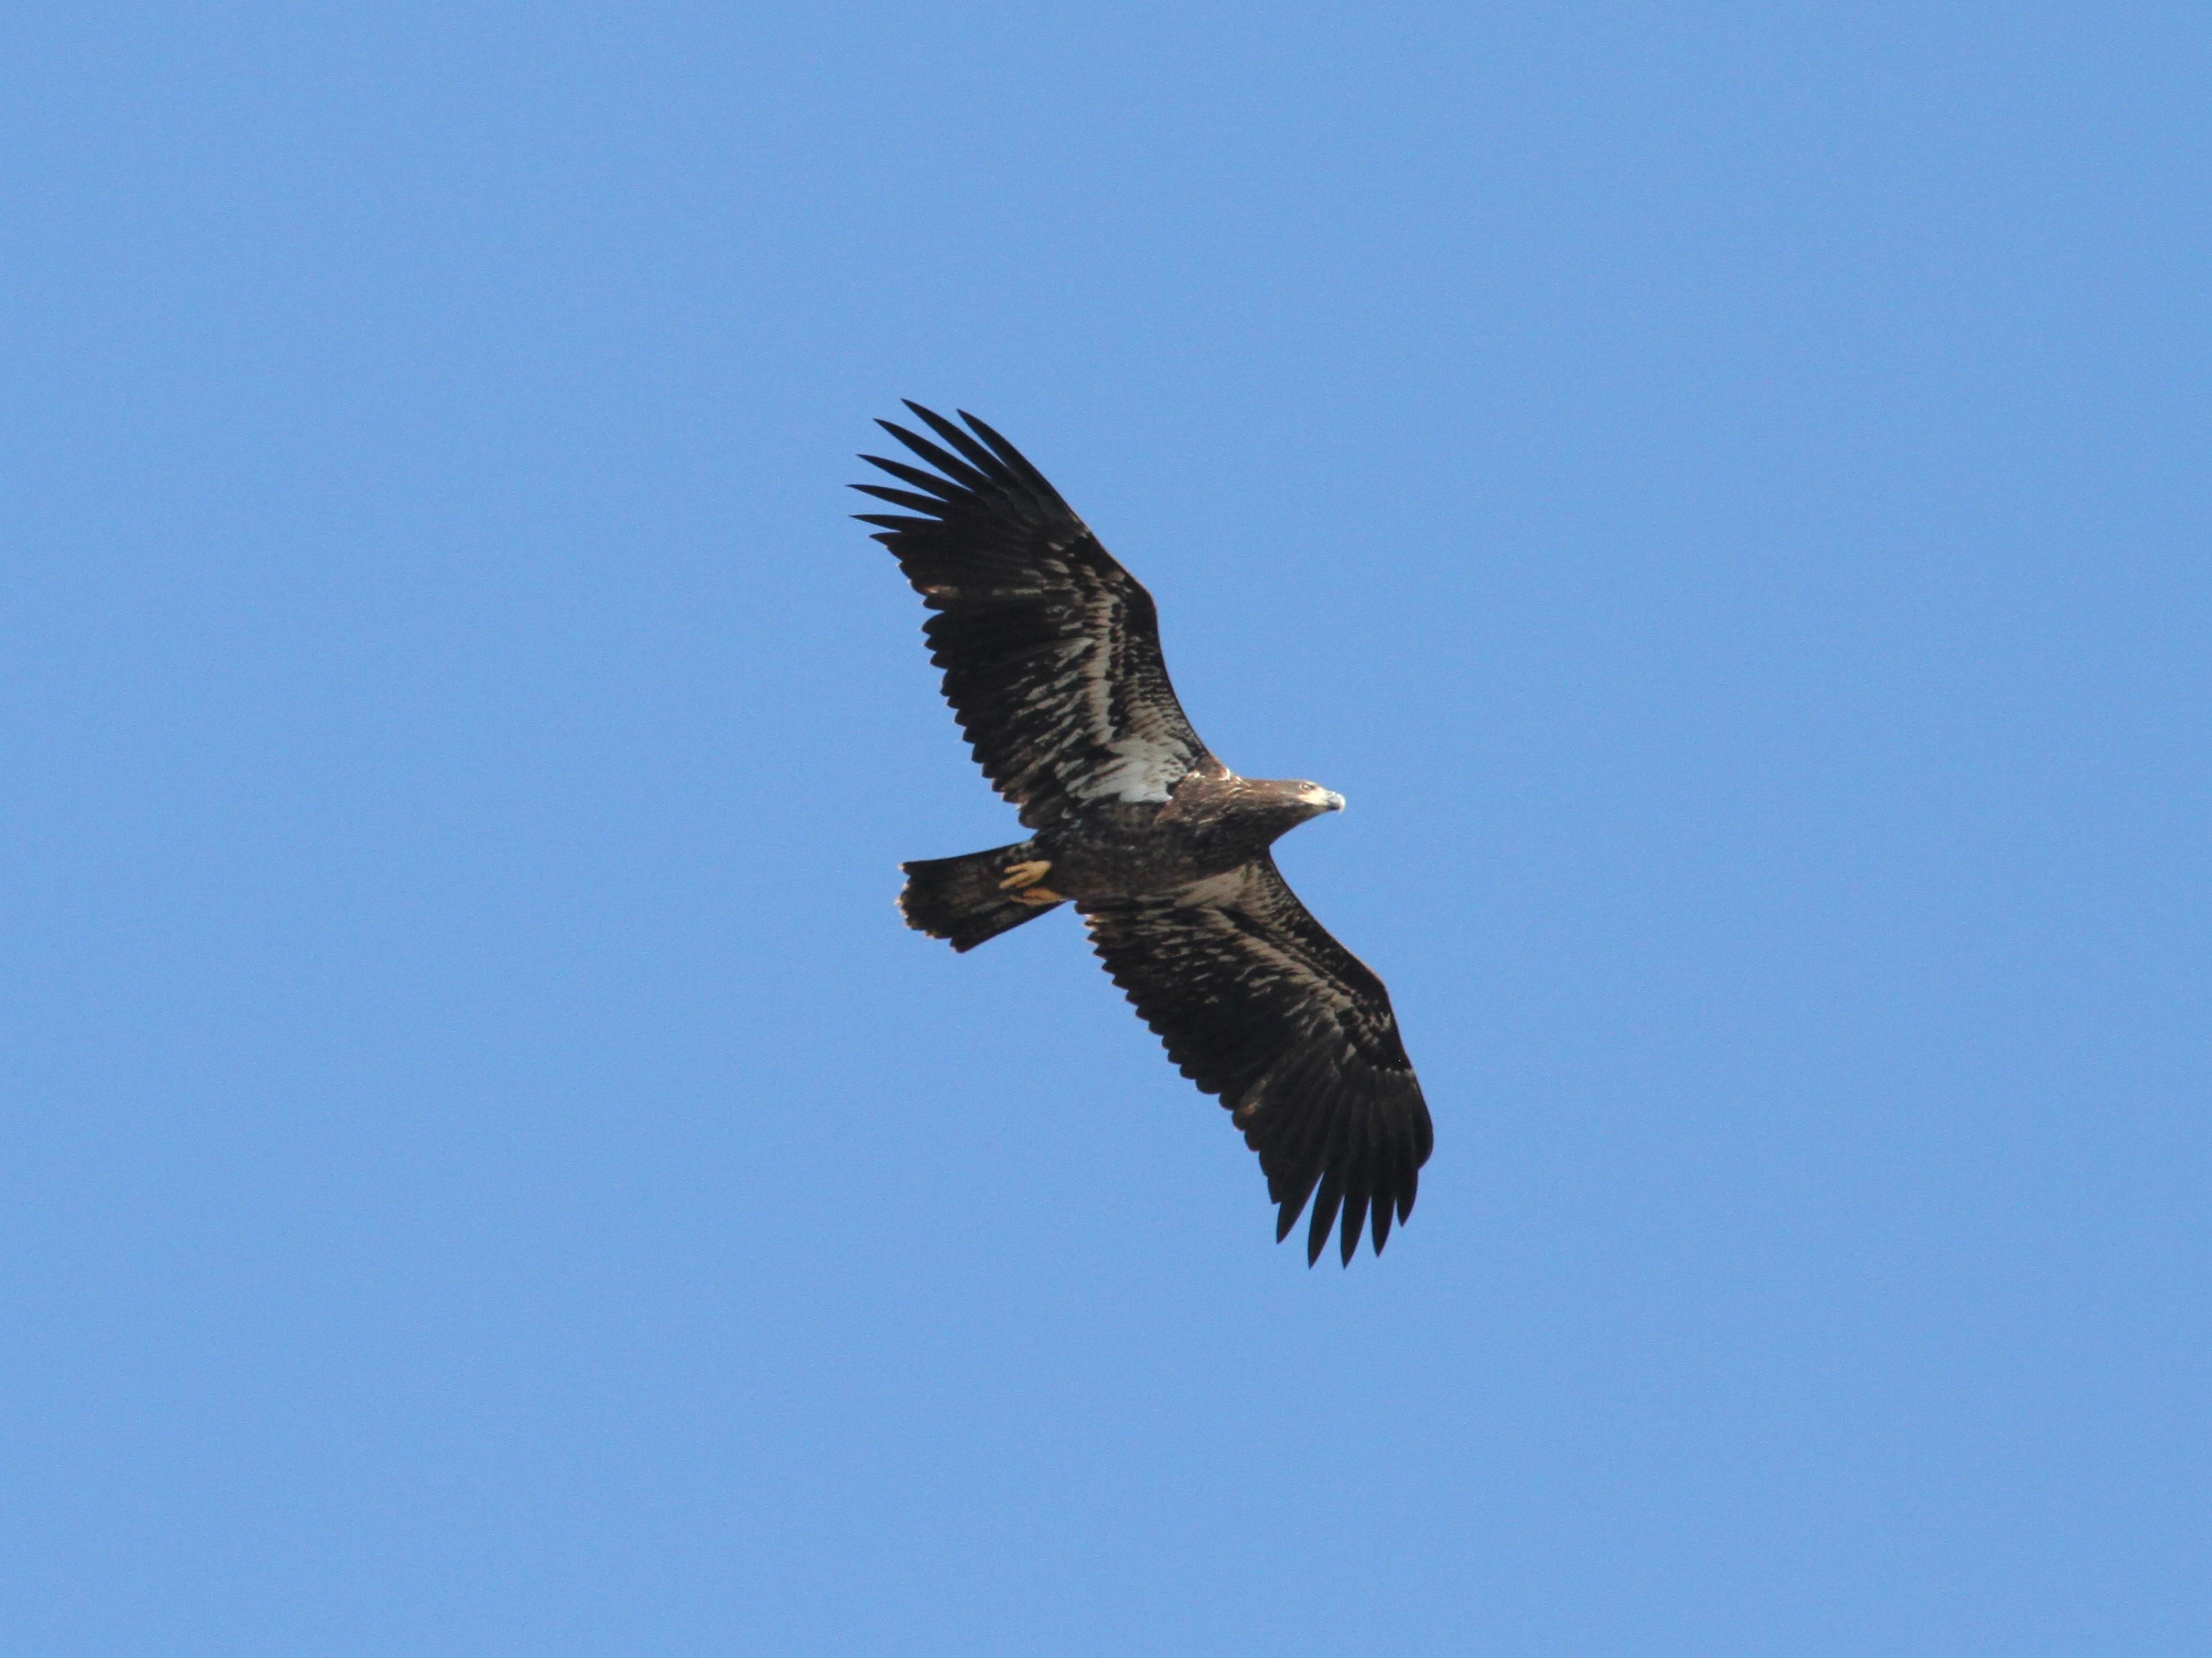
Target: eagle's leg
{"points": [[1025, 882]]}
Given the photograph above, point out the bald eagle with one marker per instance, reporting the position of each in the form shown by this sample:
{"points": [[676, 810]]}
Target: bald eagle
{"points": [[1051, 656]]}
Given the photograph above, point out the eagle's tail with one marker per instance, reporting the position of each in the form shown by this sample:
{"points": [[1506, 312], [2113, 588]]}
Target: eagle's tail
{"points": [[977, 897]]}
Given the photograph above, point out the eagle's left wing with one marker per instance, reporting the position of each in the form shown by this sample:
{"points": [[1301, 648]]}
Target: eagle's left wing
{"points": [[1051, 650], [1258, 1004]]}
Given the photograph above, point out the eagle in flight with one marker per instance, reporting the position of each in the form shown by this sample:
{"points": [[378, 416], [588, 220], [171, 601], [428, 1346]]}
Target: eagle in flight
{"points": [[1051, 655]]}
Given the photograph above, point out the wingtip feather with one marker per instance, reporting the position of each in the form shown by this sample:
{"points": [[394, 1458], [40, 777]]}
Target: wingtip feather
{"points": [[952, 465], [976, 453]]}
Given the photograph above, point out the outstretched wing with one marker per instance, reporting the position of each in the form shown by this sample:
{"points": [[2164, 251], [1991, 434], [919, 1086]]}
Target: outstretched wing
{"points": [[1051, 650], [1258, 1004]]}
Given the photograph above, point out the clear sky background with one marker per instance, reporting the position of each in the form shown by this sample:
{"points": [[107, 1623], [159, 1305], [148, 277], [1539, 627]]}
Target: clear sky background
{"points": [[1723, 491]]}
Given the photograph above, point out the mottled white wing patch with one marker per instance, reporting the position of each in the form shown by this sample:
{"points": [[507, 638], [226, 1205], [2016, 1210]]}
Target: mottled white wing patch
{"points": [[1142, 769]]}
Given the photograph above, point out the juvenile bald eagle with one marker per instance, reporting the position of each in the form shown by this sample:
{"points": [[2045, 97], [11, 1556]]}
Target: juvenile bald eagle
{"points": [[1051, 653]]}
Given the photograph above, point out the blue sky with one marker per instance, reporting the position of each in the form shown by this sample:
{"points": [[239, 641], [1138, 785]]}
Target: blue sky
{"points": [[1721, 489]]}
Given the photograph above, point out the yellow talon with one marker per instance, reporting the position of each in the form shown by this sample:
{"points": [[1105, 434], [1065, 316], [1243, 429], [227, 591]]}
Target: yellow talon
{"points": [[1025, 875], [1035, 896]]}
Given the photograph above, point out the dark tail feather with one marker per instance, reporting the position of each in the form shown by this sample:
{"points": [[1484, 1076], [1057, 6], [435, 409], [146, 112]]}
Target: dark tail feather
{"points": [[961, 899]]}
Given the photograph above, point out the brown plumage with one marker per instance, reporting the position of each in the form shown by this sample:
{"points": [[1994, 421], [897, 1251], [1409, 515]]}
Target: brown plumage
{"points": [[1051, 656]]}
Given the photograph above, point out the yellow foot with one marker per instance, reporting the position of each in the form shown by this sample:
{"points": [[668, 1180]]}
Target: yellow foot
{"points": [[1025, 882]]}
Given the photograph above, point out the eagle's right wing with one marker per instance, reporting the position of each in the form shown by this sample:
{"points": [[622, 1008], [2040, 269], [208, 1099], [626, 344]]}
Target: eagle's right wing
{"points": [[1258, 1004], [1051, 650]]}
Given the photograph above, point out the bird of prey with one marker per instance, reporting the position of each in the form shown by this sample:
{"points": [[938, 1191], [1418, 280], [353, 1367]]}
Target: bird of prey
{"points": [[1051, 655]]}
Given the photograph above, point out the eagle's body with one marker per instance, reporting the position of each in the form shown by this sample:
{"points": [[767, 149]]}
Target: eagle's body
{"points": [[1052, 664], [1212, 822]]}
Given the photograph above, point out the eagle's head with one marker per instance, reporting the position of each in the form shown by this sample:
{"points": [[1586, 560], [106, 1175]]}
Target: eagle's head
{"points": [[1292, 801], [1317, 799]]}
